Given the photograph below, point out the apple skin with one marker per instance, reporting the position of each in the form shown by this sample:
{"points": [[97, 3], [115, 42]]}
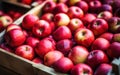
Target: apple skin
{"points": [[48, 17], [103, 69], [43, 47], [37, 60], [74, 24], [28, 2], [15, 37], [64, 46], [12, 26], [100, 44], [106, 7], [116, 37], [78, 54], [83, 5], [28, 21], [61, 19], [62, 32], [5, 47], [114, 50], [84, 36], [25, 51], [107, 35], [32, 41], [81, 69], [88, 18], [114, 24], [95, 58], [49, 6], [51, 57], [98, 26], [73, 2], [63, 65], [60, 8], [41, 29], [75, 12]]}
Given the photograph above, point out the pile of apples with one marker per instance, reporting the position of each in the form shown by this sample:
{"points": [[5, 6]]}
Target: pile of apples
{"points": [[76, 37]]}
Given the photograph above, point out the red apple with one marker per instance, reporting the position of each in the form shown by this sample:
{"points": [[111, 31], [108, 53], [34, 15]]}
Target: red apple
{"points": [[48, 17], [28, 2], [84, 36], [116, 37], [32, 41], [78, 54], [103, 69], [63, 65], [106, 7], [29, 20], [6, 47], [64, 46], [51, 57], [62, 32], [100, 44], [75, 12], [74, 24], [98, 26], [96, 57], [25, 51], [61, 19], [41, 29], [73, 2], [37, 60], [12, 26], [81, 69], [43, 47]]}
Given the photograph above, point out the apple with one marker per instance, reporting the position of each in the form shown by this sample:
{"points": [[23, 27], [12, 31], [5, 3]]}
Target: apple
{"points": [[74, 24], [107, 35], [51, 57], [88, 18], [37, 60], [41, 29], [49, 6], [48, 17], [43, 47], [5, 47], [105, 15], [12, 26], [114, 24], [60, 8], [96, 57], [106, 7], [62, 32], [83, 5], [28, 2], [75, 12], [50, 38], [63, 1], [103, 69], [63, 65], [15, 37], [100, 44], [84, 36], [116, 13], [116, 37], [64, 46], [81, 69], [1, 13], [28, 21], [61, 19], [25, 51], [32, 41], [78, 54], [114, 50], [73, 2], [98, 26]]}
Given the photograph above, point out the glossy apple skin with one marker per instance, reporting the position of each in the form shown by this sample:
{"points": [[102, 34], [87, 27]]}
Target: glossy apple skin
{"points": [[64, 46], [114, 50], [43, 47], [103, 69], [100, 44], [37, 60], [12, 26], [63, 65], [32, 41], [49, 6], [41, 29], [78, 54], [98, 26], [74, 24], [73, 2], [84, 36], [96, 57], [51, 57], [62, 32], [106, 7], [75, 12], [60, 8], [28, 2], [28, 21], [48, 17], [83, 5], [61, 19], [15, 37], [25, 51], [81, 69]]}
